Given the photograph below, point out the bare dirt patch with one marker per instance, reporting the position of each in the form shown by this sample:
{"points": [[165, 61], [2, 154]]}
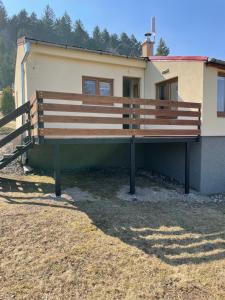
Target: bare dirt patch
{"points": [[92, 244]]}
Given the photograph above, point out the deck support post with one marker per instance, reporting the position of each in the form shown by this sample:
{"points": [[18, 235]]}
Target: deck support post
{"points": [[132, 165], [187, 167], [57, 174]]}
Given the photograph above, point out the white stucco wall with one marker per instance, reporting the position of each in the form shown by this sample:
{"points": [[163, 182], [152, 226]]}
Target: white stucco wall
{"points": [[59, 69], [212, 125]]}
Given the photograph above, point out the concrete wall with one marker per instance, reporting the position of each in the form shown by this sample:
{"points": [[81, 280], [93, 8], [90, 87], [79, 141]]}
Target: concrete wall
{"points": [[75, 157], [212, 165], [169, 159], [207, 165]]}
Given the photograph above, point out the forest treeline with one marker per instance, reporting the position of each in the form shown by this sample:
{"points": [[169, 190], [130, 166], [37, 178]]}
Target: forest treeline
{"points": [[59, 30]]}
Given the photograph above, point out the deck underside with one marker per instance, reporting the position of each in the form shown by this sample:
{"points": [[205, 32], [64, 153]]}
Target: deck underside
{"points": [[120, 140]]}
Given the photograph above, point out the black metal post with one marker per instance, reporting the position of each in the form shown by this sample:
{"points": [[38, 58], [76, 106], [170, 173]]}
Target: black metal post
{"points": [[132, 165], [57, 174], [187, 167]]}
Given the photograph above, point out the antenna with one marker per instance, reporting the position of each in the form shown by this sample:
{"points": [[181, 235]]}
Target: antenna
{"points": [[153, 31], [153, 25]]}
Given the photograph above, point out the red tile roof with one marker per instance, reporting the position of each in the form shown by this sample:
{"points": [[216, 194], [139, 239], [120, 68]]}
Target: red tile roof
{"points": [[178, 58]]}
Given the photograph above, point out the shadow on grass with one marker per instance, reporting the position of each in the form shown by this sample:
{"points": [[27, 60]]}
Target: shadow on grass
{"points": [[176, 232], [21, 186]]}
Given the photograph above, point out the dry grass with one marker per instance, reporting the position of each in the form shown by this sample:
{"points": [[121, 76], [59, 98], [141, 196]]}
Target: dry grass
{"points": [[107, 248]]}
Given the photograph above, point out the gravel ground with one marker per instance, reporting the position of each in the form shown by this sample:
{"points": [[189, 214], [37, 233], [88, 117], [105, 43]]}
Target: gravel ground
{"points": [[14, 167]]}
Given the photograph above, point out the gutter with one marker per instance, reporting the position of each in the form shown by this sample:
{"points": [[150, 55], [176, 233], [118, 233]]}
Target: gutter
{"points": [[213, 62], [216, 61], [65, 46]]}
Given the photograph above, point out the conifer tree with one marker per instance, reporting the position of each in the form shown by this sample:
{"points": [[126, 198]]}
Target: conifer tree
{"points": [[162, 49]]}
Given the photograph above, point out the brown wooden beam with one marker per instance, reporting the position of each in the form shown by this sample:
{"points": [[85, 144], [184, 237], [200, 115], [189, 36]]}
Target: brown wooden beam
{"points": [[112, 99]]}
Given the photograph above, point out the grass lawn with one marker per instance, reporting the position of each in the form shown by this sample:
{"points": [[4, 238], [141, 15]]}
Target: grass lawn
{"points": [[97, 246], [7, 128]]}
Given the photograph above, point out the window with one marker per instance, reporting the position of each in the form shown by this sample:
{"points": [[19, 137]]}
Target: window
{"points": [[90, 87], [221, 94], [167, 90], [97, 86]]}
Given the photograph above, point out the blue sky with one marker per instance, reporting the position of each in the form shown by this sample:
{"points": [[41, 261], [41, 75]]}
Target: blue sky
{"points": [[190, 27]]}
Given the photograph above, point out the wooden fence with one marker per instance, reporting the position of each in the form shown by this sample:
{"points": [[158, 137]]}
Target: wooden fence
{"points": [[126, 116]]}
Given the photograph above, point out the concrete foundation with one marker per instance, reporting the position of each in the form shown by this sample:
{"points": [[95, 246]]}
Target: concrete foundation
{"points": [[76, 157], [212, 165], [207, 162]]}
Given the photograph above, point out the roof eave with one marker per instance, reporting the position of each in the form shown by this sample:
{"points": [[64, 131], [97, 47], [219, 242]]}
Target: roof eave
{"points": [[216, 63], [178, 58], [64, 46]]}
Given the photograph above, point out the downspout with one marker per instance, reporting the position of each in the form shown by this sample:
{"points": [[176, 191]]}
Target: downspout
{"points": [[26, 54]]}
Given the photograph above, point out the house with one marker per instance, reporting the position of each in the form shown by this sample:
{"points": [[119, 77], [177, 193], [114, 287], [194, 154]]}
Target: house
{"points": [[45, 66]]}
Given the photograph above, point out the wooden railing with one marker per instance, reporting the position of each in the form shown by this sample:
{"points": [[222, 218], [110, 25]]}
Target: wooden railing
{"points": [[106, 116], [23, 110]]}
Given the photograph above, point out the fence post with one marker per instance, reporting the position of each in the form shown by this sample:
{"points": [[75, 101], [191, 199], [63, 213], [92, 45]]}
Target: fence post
{"points": [[40, 114], [187, 167], [132, 165], [57, 173]]}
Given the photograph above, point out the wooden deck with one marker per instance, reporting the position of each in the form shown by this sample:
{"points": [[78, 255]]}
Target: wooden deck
{"points": [[57, 115], [67, 118]]}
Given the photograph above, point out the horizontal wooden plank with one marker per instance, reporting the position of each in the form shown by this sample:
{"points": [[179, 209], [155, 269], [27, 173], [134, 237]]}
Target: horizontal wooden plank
{"points": [[167, 132], [12, 135], [112, 99], [111, 120], [15, 113], [116, 110], [98, 102], [62, 132], [84, 132]]}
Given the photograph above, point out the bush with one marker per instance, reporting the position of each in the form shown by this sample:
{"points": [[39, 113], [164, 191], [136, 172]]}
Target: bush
{"points": [[7, 103]]}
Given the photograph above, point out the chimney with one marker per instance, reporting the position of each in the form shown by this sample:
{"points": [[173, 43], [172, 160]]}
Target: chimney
{"points": [[147, 48], [148, 44]]}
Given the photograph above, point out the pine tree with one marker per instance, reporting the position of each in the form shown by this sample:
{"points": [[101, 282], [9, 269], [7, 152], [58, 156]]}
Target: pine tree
{"points": [[35, 25], [7, 101], [135, 46], [162, 49], [3, 16], [47, 25], [80, 35], [58, 31], [105, 37], [124, 44], [97, 39], [63, 29], [24, 24], [114, 43]]}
